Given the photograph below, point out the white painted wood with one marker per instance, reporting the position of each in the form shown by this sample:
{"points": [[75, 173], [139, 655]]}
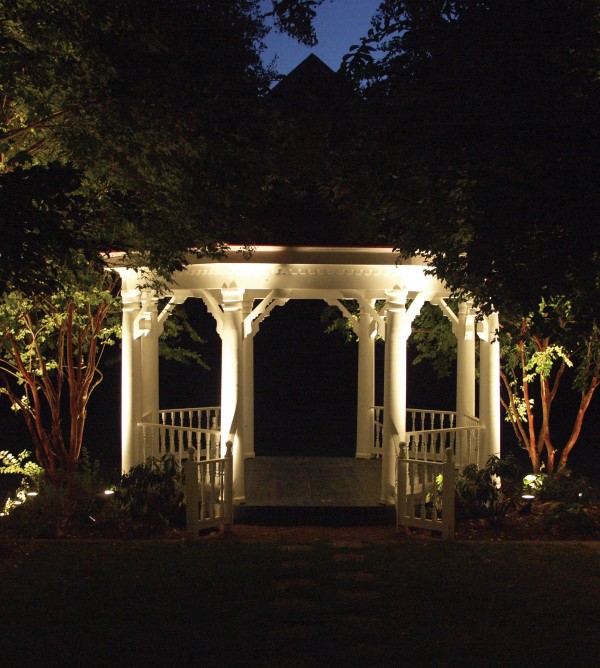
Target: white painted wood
{"points": [[489, 387], [419, 503], [366, 387], [464, 331], [232, 407], [248, 384], [131, 407], [394, 389], [208, 492], [273, 275]]}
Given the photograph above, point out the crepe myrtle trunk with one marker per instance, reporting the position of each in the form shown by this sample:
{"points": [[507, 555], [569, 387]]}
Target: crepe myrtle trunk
{"points": [[529, 396], [49, 357]]}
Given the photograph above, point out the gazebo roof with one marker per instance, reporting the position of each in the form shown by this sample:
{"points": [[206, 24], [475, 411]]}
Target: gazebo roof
{"points": [[307, 271]]}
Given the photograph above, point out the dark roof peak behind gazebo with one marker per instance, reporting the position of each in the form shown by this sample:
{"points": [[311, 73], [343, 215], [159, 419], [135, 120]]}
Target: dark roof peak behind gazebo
{"points": [[316, 105], [311, 84]]}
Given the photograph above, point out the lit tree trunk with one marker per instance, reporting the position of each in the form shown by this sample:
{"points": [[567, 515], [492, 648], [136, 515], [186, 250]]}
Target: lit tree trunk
{"points": [[586, 397], [521, 411], [50, 346]]}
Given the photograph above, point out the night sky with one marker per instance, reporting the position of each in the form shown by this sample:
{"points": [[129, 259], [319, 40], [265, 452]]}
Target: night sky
{"points": [[338, 24]]}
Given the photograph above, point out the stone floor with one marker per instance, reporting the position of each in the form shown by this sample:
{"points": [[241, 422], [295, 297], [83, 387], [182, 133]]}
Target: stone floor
{"points": [[313, 481]]}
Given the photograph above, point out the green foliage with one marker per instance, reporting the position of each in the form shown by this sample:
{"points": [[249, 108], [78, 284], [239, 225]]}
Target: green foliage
{"points": [[296, 19], [566, 519], [147, 499], [433, 339], [538, 350], [562, 488], [61, 505], [90, 87], [30, 482], [478, 494], [151, 493], [482, 120], [42, 219], [336, 322], [179, 340], [51, 346]]}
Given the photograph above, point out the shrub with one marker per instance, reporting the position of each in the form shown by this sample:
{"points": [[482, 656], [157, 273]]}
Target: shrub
{"points": [[567, 520], [30, 482], [489, 492], [44, 507], [563, 488], [152, 493]]}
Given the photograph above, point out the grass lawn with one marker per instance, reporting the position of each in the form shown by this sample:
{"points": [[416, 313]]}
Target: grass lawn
{"points": [[222, 602]]}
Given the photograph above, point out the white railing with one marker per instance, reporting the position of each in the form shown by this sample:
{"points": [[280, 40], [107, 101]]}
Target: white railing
{"points": [[430, 445], [208, 492], [180, 429], [416, 420], [425, 495], [197, 418]]}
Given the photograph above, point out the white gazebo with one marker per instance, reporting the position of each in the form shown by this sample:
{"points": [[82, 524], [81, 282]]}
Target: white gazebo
{"points": [[240, 293]]}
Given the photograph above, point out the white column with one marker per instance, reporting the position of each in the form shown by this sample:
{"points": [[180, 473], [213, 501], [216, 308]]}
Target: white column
{"points": [[465, 363], [131, 382], [489, 388], [231, 385], [248, 380], [366, 387], [149, 367], [397, 330]]}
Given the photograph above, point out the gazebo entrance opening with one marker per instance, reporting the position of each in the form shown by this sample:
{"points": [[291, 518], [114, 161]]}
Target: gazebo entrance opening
{"points": [[305, 385]]}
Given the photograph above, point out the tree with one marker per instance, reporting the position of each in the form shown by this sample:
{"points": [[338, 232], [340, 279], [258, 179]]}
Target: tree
{"points": [[482, 155], [43, 227], [50, 352], [154, 106], [125, 125], [537, 352]]}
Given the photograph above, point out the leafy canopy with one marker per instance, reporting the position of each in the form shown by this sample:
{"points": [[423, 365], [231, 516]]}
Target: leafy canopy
{"points": [[152, 105]]}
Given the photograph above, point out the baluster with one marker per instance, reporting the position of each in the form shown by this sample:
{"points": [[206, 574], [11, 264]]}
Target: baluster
{"points": [[211, 445], [201, 484], [434, 493], [221, 489], [411, 489], [423, 492], [454, 444]]}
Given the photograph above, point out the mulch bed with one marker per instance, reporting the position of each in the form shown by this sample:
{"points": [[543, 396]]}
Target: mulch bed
{"points": [[532, 526], [527, 527]]}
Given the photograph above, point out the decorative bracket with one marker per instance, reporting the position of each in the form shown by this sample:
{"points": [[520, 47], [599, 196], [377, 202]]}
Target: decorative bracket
{"points": [[254, 319]]}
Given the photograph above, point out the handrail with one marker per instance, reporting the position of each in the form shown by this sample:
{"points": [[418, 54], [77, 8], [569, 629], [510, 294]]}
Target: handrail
{"points": [[423, 410], [192, 408], [175, 427], [444, 430]]}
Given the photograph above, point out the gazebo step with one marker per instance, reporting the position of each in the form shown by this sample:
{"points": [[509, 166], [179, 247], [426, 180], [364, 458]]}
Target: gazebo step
{"points": [[328, 516]]}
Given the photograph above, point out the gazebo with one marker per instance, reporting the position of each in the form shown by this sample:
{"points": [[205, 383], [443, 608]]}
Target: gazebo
{"points": [[240, 293]]}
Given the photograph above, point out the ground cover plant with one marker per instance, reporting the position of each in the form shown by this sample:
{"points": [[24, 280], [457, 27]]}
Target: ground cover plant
{"points": [[146, 501]]}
